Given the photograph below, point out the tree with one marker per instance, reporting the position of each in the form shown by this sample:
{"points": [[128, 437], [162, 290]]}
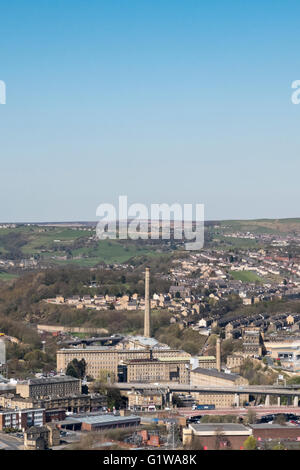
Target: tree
{"points": [[251, 416], [190, 348], [294, 380], [221, 442], [76, 368], [114, 398], [250, 443], [106, 377], [176, 400], [278, 446]]}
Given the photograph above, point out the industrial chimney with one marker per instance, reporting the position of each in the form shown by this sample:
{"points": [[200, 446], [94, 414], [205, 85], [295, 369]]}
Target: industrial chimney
{"points": [[147, 305], [218, 354]]}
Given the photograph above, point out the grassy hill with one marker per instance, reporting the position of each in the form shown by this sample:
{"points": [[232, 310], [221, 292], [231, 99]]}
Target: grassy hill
{"points": [[78, 245], [259, 226], [67, 245]]}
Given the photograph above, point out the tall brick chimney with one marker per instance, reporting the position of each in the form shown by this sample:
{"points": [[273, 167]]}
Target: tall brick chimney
{"points": [[147, 305], [218, 354]]}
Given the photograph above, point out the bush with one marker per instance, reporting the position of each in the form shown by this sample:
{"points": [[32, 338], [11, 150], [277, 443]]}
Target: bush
{"points": [[250, 443]]}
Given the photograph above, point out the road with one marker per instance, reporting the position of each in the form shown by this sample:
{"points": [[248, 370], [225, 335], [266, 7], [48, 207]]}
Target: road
{"points": [[259, 410], [241, 390], [8, 442]]}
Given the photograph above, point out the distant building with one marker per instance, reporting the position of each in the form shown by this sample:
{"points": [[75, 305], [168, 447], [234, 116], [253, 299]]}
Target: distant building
{"points": [[235, 361], [138, 401], [275, 431], [216, 436], [182, 291], [205, 362], [100, 422], [253, 343], [151, 370], [41, 437], [60, 385], [74, 403], [21, 419], [108, 359], [212, 377], [287, 352]]}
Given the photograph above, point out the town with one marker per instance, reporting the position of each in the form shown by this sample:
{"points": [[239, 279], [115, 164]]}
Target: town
{"points": [[218, 376]]}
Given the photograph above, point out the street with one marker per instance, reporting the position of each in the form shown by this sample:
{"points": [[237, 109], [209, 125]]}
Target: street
{"points": [[259, 410], [8, 442]]}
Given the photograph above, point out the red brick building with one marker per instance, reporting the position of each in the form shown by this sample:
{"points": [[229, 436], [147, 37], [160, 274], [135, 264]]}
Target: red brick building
{"points": [[275, 431], [55, 415], [21, 419], [216, 436]]}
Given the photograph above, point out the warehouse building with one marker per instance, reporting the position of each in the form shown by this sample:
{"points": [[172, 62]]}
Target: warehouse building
{"points": [[99, 359], [214, 378], [59, 385], [100, 422], [275, 431], [215, 436], [153, 370]]}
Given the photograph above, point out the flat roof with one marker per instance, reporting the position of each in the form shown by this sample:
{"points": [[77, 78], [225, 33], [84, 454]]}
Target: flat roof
{"points": [[49, 380], [158, 360], [24, 410], [7, 387], [112, 349], [206, 358], [209, 429], [101, 419], [273, 426], [215, 373]]}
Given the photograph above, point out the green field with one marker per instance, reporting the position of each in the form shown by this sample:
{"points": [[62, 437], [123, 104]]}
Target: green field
{"points": [[246, 276], [108, 251], [77, 245], [259, 226], [38, 241], [240, 243], [7, 277]]}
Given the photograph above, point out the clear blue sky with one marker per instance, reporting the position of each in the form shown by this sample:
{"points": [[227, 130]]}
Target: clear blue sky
{"points": [[162, 100]]}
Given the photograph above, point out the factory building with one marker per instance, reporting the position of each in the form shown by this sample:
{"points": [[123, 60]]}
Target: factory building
{"points": [[150, 370], [108, 359], [49, 387]]}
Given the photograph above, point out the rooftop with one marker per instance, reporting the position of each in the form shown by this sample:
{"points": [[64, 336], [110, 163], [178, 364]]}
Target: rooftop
{"points": [[49, 380], [206, 358], [273, 426], [226, 428], [146, 341], [216, 373], [104, 419], [14, 410]]}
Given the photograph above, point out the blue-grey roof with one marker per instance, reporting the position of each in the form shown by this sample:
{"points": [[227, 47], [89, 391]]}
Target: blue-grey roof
{"points": [[102, 419]]}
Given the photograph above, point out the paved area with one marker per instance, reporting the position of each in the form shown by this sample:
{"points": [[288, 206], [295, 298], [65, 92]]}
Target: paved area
{"points": [[8, 442]]}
